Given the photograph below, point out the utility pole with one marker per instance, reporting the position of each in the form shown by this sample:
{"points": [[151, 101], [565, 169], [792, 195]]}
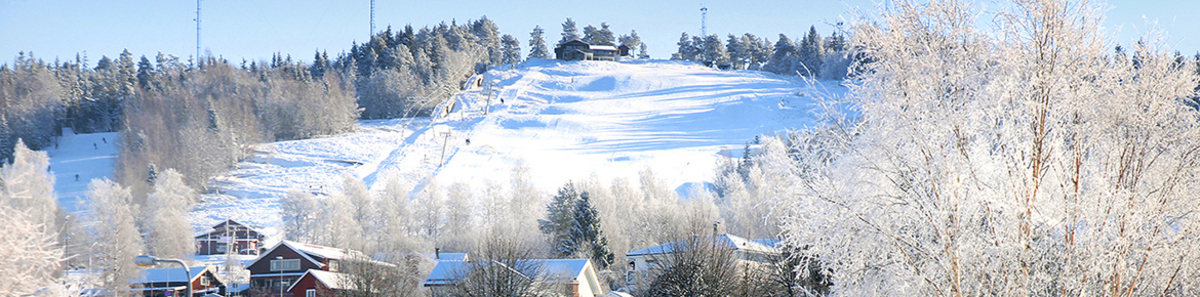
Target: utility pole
{"points": [[444, 142], [197, 32]]}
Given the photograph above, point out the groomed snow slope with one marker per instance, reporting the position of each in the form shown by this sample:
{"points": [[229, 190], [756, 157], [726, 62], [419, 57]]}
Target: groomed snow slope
{"points": [[565, 120]]}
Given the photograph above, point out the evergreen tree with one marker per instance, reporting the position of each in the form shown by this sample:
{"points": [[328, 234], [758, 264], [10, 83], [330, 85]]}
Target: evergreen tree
{"points": [[590, 33], [586, 233], [687, 50], [781, 60], [569, 31], [810, 53], [145, 73], [642, 53], [511, 48], [713, 52], [537, 44], [739, 53], [604, 36], [559, 220]]}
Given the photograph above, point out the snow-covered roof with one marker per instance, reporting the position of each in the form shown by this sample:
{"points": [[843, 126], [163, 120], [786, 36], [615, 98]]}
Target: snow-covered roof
{"points": [[552, 270], [332, 280], [306, 250], [730, 241], [602, 47], [445, 272], [167, 275], [562, 269]]}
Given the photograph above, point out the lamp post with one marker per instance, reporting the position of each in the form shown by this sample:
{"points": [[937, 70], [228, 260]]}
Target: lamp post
{"points": [[280, 258], [145, 260]]}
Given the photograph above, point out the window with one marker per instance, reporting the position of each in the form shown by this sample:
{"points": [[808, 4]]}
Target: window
{"points": [[333, 265], [204, 281], [310, 293], [285, 265]]}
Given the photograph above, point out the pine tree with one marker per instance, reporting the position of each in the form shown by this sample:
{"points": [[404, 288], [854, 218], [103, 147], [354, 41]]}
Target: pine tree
{"points": [[559, 220], [810, 53], [586, 233], [781, 60], [569, 31], [604, 36], [590, 33], [687, 50], [511, 48], [713, 52], [642, 52], [537, 44]]}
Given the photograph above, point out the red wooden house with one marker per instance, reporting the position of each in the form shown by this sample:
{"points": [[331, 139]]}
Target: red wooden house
{"points": [[155, 282], [245, 240], [280, 267], [320, 283]]}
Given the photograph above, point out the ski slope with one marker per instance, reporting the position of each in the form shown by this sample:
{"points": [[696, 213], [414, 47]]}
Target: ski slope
{"points": [[564, 120]]}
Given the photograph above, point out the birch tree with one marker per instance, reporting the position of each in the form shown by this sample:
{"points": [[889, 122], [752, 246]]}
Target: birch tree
{"points": [[1014, 160]]}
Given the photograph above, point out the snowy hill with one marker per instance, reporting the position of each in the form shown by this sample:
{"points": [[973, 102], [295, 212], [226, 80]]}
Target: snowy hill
{"points": [[88, 155], [565, 120]]}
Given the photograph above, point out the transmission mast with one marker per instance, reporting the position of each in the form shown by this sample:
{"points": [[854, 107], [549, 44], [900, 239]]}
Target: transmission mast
{"points": [[703, 21], [197, 32], [372, 20]]}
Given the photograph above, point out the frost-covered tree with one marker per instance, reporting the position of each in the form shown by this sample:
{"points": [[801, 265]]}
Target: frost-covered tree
{"points": [[586, 232], [511, 47], [604, 35], [782, 58], [560, 216], [569, 31], [632, 40], [687, 51], [30, 216], [810, 53], [114, 233], [537, 44], [169, 230], [642, 52], [712, 52], [1022, 159]]}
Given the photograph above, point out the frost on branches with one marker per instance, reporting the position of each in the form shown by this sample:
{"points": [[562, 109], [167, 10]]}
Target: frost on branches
{"points": [[1024, 159]]}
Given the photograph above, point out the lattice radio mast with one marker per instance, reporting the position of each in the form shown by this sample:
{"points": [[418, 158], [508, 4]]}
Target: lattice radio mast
{"points": [[197, 32], [703, 21], [372, 19]]}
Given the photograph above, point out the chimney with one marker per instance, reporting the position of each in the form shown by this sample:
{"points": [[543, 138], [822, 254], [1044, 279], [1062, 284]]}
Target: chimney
{"points": [[437, 254]]}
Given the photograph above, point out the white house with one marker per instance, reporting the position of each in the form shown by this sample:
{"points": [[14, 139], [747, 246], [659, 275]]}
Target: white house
{"points": [[747, 251]]}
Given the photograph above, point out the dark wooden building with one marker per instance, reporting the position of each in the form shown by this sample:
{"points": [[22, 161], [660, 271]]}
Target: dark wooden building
{"points": [[320, 283], [285, 264], [577, 50], [245, 240]]}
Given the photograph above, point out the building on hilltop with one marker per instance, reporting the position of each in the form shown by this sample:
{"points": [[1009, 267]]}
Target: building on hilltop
{"points": [[577, 50]]}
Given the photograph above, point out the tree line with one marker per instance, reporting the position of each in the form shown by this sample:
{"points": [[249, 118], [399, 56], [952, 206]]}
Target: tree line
{"points": [[814, 56]]}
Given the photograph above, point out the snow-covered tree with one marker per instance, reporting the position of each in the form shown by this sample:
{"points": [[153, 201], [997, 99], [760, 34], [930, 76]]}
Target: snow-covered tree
{"points": [[642, 52], [511, 47], [632, 40], [114, 233], [169, 230], [1022, 159], [30, 216], [782, 58], [687, 50], [604, 36], [537, 44], [559, 219], [586, 232], [810, 53], [712, 52], [569, 31]]}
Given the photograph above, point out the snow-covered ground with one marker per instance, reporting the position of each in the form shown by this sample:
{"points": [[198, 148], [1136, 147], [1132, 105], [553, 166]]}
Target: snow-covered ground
{"points": [[565, 120], [88, 155]]}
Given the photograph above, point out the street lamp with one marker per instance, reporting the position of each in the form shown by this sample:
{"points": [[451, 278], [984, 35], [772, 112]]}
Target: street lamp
{"points": [[145, 260], [280, 258]]}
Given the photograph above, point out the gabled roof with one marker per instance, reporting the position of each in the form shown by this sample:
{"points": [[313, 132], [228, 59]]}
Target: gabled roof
{"points": [[304, 250], [446, 256], [168, 275], [737, 243], [562, 269], [217, 227], [574, 42], [332, 280], [445, 272]]}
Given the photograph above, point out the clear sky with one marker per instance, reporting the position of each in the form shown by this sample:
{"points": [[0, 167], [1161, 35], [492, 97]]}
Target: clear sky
{"points": [[254, 29]]}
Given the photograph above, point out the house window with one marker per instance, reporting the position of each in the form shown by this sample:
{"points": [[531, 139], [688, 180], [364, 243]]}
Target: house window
{"points": [[285, 265], [204, 281], [310, 293], [333, 265]]}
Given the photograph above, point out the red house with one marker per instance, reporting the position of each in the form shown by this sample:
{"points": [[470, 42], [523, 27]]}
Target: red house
{"points": [[319, 283], [246, 240], [277, 269], [173, 282]]}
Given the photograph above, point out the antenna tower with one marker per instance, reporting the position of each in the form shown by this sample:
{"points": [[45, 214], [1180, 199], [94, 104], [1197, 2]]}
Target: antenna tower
{"points": [[372, 19], [703, 21], [197, 32]]}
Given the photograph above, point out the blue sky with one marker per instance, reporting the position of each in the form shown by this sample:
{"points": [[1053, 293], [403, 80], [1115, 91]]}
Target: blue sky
{"points": [[254, 29]]}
